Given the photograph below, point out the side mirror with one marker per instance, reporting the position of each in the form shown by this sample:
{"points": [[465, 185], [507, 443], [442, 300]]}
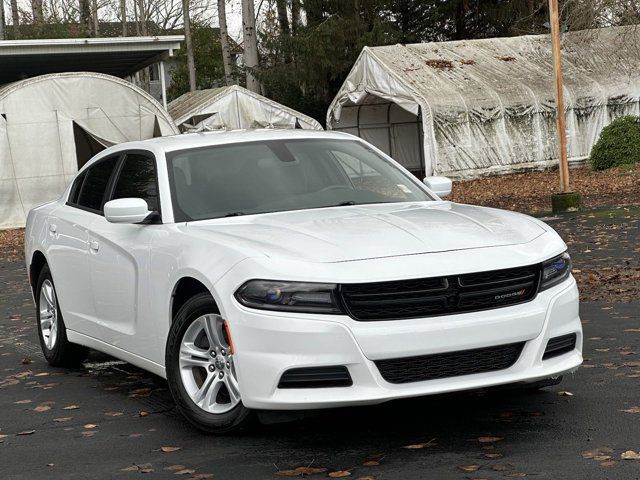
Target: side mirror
{"points": [[441, 186], [126, 210]]}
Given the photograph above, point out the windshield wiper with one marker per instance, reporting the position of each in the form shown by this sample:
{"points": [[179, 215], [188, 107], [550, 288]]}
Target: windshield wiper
{"points": [[235, 214]]}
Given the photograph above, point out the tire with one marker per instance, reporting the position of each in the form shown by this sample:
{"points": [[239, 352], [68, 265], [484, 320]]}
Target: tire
{"points": [[57, 349], [204, 385]]}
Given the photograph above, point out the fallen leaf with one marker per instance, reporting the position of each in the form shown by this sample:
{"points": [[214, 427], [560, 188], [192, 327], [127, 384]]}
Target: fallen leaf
{"points": [[469, 468], [26, 361], [371, 463], [630, 455], [62, 419], [175, 467], [89, 426], [300, 471], [565, 394], [21, 402], [631, 410], [420, 445], [26, 432], [114, 414], [143, 414], [340, 474], [42, 408], [71, 407], [489, 439], [185, 471], [169, 449]]}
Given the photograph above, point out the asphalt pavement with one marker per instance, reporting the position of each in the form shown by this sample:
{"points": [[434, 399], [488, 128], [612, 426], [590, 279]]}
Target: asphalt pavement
{"points": [[112, 420]]}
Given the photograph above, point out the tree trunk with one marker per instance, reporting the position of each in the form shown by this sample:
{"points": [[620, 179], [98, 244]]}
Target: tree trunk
{"points": [[85, 17], [38, 15], [250, 44], [123, 15], [283, 17], [295, 15], [188, 40], [94, 17], [224, 43], [2, 22], [15, 18]]}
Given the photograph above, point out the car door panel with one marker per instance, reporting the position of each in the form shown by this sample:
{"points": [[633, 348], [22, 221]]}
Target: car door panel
{"points": [[119, 262]]}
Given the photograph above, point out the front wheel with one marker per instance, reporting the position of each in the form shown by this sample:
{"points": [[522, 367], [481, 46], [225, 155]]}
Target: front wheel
{"points": [[200, 367]]}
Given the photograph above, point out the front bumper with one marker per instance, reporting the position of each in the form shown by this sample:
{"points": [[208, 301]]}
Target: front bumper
{"points": [[269, 343]]}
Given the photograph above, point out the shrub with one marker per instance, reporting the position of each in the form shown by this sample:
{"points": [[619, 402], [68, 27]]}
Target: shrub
{"points": [[619, 144]]}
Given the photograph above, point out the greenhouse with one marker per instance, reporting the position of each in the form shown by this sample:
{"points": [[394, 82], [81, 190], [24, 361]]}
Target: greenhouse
{"points": [[475, 107], [52, 124], [234, 107]]}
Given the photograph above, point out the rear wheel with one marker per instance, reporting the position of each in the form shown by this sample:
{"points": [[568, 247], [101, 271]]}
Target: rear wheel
{"points": [[57, 349], [201, 371]]}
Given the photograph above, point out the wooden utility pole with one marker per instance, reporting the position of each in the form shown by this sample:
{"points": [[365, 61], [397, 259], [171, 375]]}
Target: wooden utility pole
{"points": [[191, 67], [554, 20], [123, 15], [15, 18]]}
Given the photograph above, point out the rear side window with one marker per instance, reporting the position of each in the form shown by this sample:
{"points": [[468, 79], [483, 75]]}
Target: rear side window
{"points": [[97, 177], [137, 179]]}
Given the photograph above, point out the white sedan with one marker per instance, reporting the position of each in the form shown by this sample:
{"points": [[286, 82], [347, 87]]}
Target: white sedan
{"points": [[286, 270]]}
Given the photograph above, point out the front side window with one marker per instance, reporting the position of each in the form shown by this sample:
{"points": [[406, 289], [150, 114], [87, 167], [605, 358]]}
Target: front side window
{"points": [[282, 175], [96, 179], [137, 179]]}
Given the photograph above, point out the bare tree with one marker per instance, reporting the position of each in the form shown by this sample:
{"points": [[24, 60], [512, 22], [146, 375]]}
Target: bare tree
{"points": [[295, 15], [15, 18], [224, 43], [94, 17], [188, 40], [123, 16], [2, 22], [85, 17], [250, 44], [38, 15]]}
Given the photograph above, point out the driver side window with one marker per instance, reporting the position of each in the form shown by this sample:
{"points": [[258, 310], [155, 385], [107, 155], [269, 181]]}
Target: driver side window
{"points": [[138, 179]]}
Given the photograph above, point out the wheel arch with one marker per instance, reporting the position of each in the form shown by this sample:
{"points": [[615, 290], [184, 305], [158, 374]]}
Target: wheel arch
{"points": [[185, 288], [38, 261]]}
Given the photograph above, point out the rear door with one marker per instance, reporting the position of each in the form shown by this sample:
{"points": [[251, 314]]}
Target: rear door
{"points": [[68, 253], [119, 264]]}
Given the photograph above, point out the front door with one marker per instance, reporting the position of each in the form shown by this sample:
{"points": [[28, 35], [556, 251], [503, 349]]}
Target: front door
{"points": [[119, 261]]}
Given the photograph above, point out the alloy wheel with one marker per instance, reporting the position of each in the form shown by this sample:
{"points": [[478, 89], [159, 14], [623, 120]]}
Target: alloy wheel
{"points": [[206, 365], [48, 314]]}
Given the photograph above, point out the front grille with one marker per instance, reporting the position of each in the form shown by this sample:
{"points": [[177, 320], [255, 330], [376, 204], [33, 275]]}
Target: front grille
{"points": [[428, 297], [316, 377], [559, 346], [450, 364]]}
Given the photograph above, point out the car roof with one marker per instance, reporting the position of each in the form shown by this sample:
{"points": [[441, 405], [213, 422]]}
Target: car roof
{"points": [[204, 139]]}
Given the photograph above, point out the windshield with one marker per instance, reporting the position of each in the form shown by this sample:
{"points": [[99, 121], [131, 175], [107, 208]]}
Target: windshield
{"points": [[274, 176]]}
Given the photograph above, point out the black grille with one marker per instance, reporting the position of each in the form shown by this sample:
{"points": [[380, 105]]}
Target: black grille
{"points": [[316, 377], [427, 297], [450, 364], [560, 345]]}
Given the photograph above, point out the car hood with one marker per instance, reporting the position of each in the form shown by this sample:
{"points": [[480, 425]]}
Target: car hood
{"points": [[349, 233]]}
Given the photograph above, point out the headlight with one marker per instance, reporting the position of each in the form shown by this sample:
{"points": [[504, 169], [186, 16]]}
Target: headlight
{"points": [[555, 271], [289, 296]]}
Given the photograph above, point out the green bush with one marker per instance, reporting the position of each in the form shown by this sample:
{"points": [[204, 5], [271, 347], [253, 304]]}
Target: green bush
{"points": [[619, 144]]}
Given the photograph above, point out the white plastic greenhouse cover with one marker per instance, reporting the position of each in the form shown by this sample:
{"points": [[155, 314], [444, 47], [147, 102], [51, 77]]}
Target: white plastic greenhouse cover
{"points": [[40, 119], [234, 107], [475, 107]]}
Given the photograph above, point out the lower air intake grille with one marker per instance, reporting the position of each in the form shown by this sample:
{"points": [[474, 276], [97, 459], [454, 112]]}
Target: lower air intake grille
{"points": [[316, 377], [450, 364], [559, 346]]}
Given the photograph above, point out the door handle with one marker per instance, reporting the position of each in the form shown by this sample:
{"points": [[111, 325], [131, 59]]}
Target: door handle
{"points": [[94, 246]]}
